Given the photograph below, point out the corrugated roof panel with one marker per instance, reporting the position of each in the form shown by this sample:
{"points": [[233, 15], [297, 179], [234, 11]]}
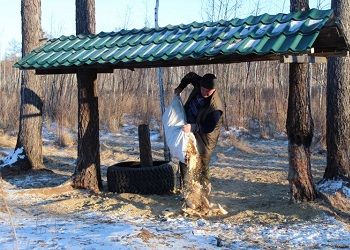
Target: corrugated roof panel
{"points": [[72, 58], [231, 46], [54, 57], [50, 44], [256, 35], [306, 42], [113, 41], [262, 30], [120, 53], [260, 45], [312, 24], [71, 45]]}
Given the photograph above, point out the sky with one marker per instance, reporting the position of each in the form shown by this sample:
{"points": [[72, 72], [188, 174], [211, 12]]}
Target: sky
{"points": [[58, 16]]}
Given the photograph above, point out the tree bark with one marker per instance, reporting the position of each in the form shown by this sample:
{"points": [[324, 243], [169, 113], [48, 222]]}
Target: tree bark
{"points": [[160, 75], [85, 21], [30, 127], [87, 173], [299, 127], [296, 5], [338, 103], [300, 132]]}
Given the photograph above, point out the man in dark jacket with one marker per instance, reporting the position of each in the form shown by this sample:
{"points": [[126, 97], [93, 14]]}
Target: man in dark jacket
{"points": [[204, 111]]}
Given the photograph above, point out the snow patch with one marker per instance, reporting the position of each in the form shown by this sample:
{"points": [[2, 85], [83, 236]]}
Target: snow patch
{"points": [[236, 131], [251, 43], [333, 186], [279, 28], [262, 29], [97, 231], [14, 157], [314, 22], [234, 45], [154, 136], [295, 25], [247, 30]]}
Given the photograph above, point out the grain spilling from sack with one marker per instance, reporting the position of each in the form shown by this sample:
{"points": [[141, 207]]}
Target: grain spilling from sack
{"points": [[197, 194]]}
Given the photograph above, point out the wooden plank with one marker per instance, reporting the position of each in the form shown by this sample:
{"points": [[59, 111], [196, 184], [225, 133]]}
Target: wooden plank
{"points": [[332, 54], [71, 70], [145, 146], [302, 59]]}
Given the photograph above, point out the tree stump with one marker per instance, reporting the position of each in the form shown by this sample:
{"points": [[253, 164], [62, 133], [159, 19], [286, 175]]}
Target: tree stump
{"points": [[145, 146]]}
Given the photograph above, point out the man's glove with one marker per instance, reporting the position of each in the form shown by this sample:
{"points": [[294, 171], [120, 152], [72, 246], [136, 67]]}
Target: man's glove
{"points": [[191, 77]]}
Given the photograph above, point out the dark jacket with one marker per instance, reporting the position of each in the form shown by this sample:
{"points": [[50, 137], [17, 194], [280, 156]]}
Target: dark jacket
{"points": [[206, 142]]}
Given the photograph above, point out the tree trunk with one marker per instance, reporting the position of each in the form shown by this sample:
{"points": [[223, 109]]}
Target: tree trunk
{"points": [[338, 103], [296, 5], [299, 127], [85, 22], [160, 75], [29, 136], [87, 172], [300, 131]]}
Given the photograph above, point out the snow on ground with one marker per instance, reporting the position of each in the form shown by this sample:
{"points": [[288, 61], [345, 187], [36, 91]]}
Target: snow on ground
{"points": [[96, 231], [252, 186], [333, 186], [12, 158]]}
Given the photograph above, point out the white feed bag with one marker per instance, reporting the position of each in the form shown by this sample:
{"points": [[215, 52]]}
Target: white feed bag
{"points": [[174, 118]]}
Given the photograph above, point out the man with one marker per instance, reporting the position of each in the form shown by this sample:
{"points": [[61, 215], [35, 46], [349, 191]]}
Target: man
{"points": [[204, 111]]}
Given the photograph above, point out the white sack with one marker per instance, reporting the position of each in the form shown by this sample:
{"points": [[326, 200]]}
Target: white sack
{"points": [[174, 118]]}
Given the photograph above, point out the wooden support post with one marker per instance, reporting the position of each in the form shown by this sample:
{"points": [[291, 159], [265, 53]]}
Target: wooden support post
{"points": [[145, 146], [300, 129], [87, 172]]}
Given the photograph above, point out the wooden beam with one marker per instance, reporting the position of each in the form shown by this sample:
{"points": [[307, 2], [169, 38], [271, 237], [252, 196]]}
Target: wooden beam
{"points": [[332, 54], [302, 59], [71, 71]]}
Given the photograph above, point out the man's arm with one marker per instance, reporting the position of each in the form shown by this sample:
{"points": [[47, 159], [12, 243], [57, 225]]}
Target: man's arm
{"points": [[190, 77]]}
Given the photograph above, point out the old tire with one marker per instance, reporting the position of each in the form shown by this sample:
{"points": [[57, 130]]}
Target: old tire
{"points": [[130, 177]]}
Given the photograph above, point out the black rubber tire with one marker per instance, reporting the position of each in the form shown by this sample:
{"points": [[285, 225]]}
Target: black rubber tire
{"points": [[130, 177]]}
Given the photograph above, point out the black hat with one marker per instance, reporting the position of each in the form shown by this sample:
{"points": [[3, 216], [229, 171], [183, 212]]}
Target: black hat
{"points": [[208, 81]]}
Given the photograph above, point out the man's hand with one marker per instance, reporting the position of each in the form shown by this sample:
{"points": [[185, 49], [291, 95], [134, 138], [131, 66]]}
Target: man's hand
{"points": [[186, 128], [177, 91]]}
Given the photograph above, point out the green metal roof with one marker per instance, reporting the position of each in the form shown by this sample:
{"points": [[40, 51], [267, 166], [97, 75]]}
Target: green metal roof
{"points": [[253, 38]]}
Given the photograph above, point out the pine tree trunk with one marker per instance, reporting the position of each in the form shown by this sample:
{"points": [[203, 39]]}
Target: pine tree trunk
{"points": [[87, 174], [300, 131], [30, 127], [299, 127], [160, 75], [296, 5], [338, 103], [85, 22]]}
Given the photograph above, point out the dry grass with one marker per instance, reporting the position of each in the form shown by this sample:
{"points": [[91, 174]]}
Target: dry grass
{"points": [[6, 140], [240, 144], [65, 139]]}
